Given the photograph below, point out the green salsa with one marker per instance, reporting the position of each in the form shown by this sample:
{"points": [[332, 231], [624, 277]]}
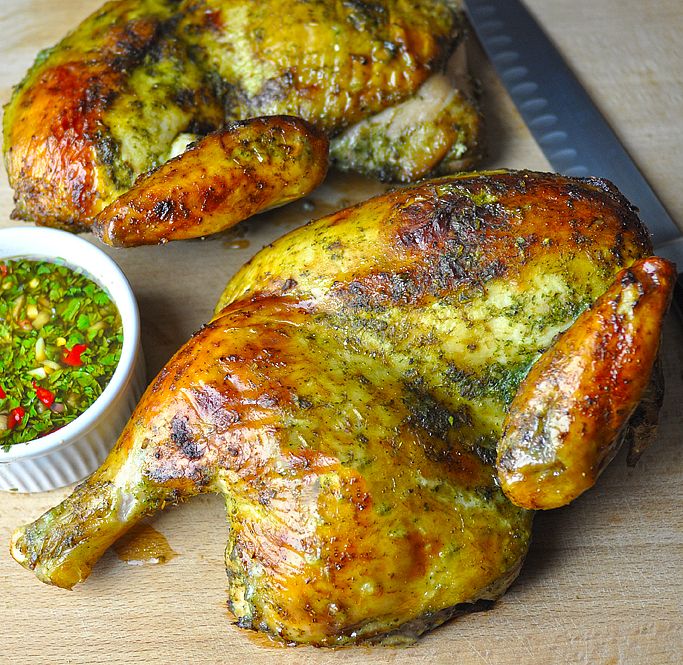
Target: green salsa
{"points": [[60, 342]]}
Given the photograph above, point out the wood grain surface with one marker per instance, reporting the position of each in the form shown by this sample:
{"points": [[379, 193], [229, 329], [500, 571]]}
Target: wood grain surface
{"points": [[603, 582]]}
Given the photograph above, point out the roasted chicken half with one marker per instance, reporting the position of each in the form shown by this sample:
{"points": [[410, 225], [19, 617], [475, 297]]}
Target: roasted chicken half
{"points": [[350, 393], [136, 79]]}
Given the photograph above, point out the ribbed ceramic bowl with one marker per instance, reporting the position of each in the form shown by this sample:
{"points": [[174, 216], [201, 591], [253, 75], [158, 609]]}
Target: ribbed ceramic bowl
{"points": [[77, 449]]}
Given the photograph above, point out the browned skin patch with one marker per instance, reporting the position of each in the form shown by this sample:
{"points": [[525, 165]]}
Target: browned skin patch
{"points": [[352, 426], [241, 170], [454, 239]]}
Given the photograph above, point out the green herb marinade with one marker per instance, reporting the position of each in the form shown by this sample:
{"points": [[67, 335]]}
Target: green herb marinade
{"points": [[60, 341]]}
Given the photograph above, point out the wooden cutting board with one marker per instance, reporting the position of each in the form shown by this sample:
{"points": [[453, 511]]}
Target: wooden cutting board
{"points": [[603, 580]]}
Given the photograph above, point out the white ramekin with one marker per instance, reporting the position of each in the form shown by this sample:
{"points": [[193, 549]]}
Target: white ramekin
{"points": [[77, 449]]}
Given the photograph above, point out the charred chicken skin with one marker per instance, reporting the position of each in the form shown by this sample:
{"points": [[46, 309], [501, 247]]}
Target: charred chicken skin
{"points": [[350, 394], [113, 99]]}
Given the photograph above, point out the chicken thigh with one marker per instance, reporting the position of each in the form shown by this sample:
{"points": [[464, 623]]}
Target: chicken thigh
{"points": [[349, 395]]}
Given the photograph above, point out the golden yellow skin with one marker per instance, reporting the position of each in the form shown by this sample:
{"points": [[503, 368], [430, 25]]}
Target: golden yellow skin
{"points": [[106, 104], [347, 399], [230, 175], [563, 426]]}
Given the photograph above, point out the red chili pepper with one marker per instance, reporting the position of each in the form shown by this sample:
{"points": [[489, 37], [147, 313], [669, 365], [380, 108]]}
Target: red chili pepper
{"points": [[3, 270], [3, 394], [44, 395], [73, 357], [15, 417]]}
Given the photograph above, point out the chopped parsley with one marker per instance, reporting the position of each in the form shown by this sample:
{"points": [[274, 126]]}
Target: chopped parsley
{"points": [[60, 342]]}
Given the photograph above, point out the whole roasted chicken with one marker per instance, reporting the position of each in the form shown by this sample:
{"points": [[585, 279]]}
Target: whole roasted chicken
{"points": [[139, 79], [360, 400]]}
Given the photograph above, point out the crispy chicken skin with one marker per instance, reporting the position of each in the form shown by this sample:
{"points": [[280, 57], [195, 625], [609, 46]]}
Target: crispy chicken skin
{"points": [[331, 62], [106, 104], [347, 399], [232, 174]]}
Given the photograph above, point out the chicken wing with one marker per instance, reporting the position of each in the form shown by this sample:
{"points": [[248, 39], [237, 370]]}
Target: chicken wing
{"points": [[246, 168], [347, 400], [564, 425]]}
